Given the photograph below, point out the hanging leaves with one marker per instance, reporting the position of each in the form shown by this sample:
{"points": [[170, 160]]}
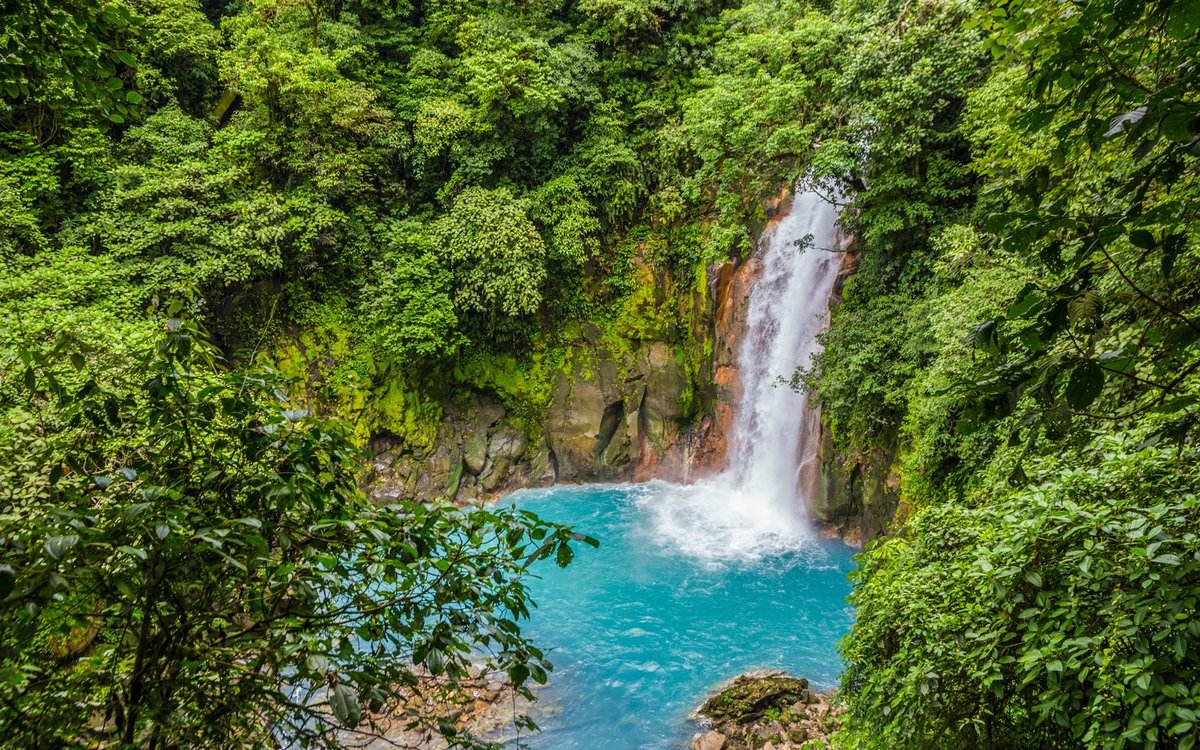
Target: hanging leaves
{"points": [[343, 699], [216, 521], [1084, 385]]}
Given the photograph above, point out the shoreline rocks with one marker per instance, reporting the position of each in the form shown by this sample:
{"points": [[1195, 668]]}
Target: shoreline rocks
{"points": [[766, 710], [484, 707]]}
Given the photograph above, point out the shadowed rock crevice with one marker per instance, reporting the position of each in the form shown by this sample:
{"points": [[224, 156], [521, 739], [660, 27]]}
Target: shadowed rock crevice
{"points": [[614, 414]]}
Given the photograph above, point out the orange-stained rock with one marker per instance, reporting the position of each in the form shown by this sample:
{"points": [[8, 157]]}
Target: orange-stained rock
{"points": [[731, 295]]}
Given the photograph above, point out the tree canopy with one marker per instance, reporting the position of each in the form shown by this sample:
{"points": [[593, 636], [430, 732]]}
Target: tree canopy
{"points": [[430, 199]]}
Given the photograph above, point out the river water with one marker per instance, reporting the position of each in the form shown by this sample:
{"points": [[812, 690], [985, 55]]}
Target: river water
{"points": [[695, 584], [641, 628]]}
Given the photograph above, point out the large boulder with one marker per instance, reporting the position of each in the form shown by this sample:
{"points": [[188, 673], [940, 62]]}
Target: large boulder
{"points": [[543, 465], [505, 448], [660, 411], [475, 452], [432, 480], [858, 495], [506, 442]]}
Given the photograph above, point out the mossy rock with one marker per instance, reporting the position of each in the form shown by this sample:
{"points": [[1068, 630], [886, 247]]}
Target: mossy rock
{"points": [[748, 698]]}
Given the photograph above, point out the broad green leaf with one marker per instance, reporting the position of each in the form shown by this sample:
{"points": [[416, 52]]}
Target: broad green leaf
{"points": [[1184, 19], [1141, 238], [1084, 386], [343, 699], [59, 545]]}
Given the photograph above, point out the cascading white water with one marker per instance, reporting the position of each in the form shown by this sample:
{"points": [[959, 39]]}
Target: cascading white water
{"points": [[756, 506], [775, 435]]}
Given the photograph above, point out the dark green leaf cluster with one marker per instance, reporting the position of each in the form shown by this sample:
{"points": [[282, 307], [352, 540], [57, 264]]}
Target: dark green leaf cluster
{"points": [[1061, 615], [1030, 350], [186, 560]]}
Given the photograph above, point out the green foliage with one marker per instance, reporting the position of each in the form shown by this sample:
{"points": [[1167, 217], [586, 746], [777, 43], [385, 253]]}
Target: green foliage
{"points": [[897, 143], [277, 146], [181, 211], [1103, 207], [863, 364], [179, 59], [1041, 385], [1056, 615], [191, 563], [64, 54], [374, 195], [28, 184], [495, 253], [410, 302], [754, 119], [571, 227], [907, 75]]}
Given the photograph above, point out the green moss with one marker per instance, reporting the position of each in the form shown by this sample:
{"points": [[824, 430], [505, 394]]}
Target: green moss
{"points": [[407, 414], [749, 698], [525, 388], [695, 350], [329, 351], [341, 376]]}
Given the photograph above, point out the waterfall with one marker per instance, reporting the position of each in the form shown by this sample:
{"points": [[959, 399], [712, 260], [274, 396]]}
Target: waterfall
{"points": [[775, 434], [757, 506]]}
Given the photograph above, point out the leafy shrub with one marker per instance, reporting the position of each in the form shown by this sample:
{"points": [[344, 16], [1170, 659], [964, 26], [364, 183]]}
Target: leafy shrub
{"points": [[186, 561], [1058, 615]]}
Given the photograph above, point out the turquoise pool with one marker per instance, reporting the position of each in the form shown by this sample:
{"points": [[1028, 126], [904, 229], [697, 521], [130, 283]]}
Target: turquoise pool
{"points": [[687, 589]]}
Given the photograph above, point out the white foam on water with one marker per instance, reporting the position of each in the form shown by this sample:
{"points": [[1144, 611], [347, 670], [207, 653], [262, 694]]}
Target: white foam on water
{"points": [[758, 506], [715, 521]]}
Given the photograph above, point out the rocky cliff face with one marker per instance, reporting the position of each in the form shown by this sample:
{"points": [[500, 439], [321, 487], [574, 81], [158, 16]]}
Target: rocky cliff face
{"points": [[629, 411], [732, 283], [623, 410], [858, 494], [612, 416]]}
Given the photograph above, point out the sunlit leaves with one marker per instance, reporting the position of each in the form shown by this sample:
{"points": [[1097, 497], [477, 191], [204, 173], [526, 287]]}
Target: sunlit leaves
{"points": [[496, 254], [67, 55], [439, 123], [753, 121], [411, 299], [566, 215]]}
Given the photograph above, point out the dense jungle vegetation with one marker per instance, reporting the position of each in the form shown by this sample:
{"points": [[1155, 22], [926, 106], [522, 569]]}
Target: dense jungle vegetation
{"points": [[203, 200]]}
